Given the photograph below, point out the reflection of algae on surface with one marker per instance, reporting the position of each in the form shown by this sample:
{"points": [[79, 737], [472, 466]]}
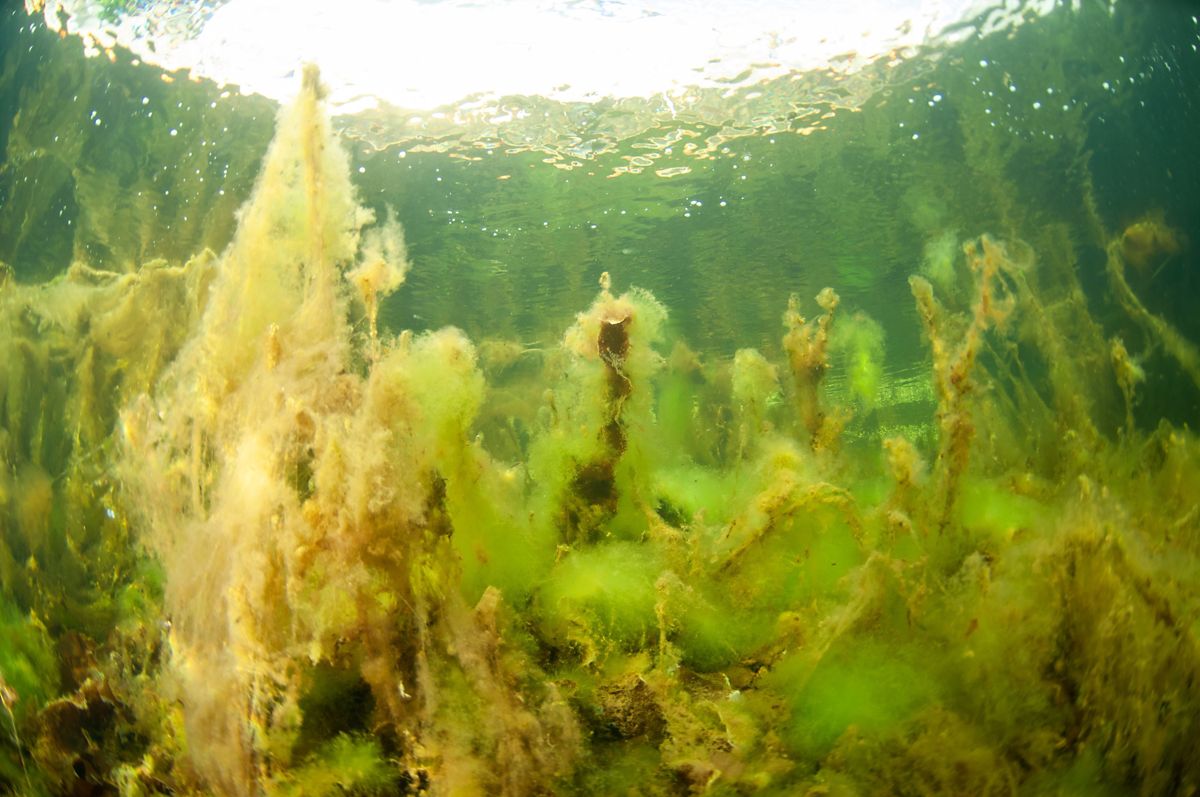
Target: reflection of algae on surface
{"points": [[363, 600]]}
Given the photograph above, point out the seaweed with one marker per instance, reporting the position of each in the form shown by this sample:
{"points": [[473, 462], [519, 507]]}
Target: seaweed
{"points": [[305, 554], [807, 346]]}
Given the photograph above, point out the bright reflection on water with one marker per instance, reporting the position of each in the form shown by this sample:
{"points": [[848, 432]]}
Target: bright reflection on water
{"points": [[569, 79]]}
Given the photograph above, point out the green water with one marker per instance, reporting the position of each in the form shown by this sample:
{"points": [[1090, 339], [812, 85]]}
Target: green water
{"points": [[940, 539]]}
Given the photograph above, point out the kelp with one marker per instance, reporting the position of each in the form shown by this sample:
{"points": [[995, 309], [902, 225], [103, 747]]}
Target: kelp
{"points": [[297, 564]]}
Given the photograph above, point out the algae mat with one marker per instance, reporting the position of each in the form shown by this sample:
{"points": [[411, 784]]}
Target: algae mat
{"points": [[299, 519]]}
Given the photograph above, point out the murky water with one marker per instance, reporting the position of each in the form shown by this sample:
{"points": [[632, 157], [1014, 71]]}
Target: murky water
{"points": [[514, 445]]}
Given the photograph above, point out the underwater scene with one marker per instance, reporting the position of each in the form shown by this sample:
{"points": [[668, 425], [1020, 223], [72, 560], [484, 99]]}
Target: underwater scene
{"points": [[599, 398]]}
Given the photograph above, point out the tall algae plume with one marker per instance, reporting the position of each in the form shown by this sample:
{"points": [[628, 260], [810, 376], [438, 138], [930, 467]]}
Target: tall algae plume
{"points": [[293, 563], [222, 457]]}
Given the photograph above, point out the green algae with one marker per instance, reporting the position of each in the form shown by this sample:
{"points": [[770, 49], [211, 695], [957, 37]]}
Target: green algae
{"points": [[603, 596], [870, 688], [295, 562], [346, 765]]}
